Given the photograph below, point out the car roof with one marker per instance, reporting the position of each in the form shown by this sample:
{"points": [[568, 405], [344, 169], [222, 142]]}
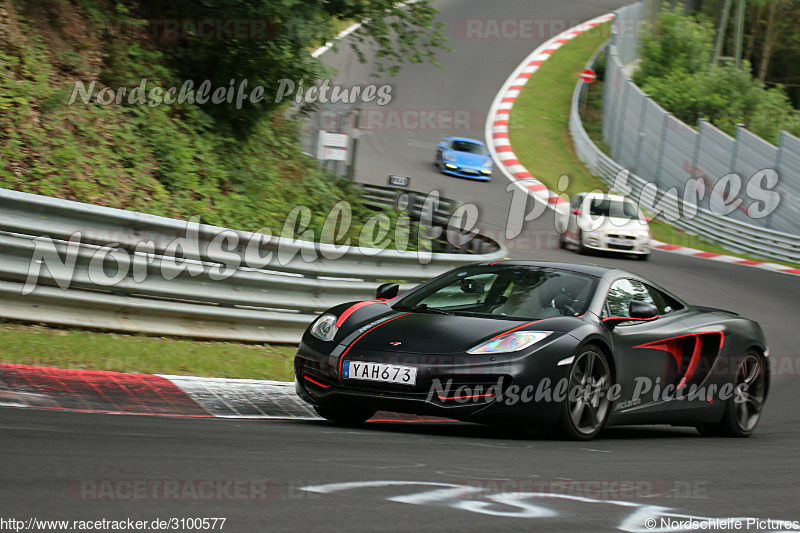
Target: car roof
{"points": [[581, 268], [476, 141]]}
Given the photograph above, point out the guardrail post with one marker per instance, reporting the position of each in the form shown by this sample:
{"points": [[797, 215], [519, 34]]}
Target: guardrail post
{"points": [[735, 154], [640, 136], [624, 98], [778, 157], [661, 143]]}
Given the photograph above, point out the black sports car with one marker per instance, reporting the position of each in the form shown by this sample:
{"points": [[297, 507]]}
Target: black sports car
{"points": [[569, 346]]}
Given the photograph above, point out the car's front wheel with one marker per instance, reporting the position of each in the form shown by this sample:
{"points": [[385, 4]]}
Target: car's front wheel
{"points": [[439, 162], [345, 416], [586, 408], [743, 408], [580, 247]]}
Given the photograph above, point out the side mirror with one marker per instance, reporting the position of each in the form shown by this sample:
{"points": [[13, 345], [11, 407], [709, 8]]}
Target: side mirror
{"points": [[387, 291], [642, 310], [472, 286], [639, 311]]}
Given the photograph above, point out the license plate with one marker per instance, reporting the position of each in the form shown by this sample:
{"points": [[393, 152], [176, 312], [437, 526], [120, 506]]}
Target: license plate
{"points": [[469, 171], [404, 375], [619, 242]]}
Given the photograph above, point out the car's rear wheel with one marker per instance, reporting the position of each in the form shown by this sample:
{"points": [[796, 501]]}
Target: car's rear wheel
{"points": [[586, 408], [743, 408], [345, 416]]}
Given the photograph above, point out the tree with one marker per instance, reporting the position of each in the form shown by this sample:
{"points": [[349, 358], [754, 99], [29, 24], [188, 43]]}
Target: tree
{"points": [[398, 33], [674, 71], [773, 32]]}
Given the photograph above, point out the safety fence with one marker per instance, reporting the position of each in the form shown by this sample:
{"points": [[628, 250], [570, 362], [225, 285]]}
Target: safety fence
{"points": [[669, 164]]}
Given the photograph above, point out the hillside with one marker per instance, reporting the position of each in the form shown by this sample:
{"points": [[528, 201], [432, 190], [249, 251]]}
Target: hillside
{"points": [[173, 160]]}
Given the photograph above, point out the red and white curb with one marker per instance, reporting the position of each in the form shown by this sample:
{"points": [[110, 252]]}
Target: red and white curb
{"points": [[98, 391], [506, 160], [500, 111], [145, 394], [682, 250]]}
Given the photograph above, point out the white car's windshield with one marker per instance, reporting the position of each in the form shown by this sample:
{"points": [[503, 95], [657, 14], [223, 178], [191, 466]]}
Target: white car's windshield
{"points": [[613, 208]]}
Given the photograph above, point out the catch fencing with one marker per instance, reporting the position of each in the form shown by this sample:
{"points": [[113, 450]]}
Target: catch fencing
{"points": [[679, 170], [659, 148]]}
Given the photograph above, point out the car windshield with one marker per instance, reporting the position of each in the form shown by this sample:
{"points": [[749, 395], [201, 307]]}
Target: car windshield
{"points": [[605, 207], [517, 292], [469, 147]]}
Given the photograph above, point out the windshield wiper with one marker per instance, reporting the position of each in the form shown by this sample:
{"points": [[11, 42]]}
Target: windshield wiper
{"points": [[423, 308]]}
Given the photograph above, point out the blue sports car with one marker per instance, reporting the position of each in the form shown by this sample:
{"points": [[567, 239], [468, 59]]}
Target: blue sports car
{"points": [[465, 158]]}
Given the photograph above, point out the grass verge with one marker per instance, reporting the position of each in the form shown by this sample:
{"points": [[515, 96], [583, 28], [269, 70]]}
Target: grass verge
{"points": [[39, 345], [539, 132]]}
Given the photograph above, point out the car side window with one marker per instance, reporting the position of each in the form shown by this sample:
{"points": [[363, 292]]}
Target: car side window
{"points": [[664, 302], [467, 291], [622, 293]]}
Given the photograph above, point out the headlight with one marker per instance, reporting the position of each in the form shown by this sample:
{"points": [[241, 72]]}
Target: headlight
{"points": [[488, 164], [450, 157], [513, 342], [325, 327]]}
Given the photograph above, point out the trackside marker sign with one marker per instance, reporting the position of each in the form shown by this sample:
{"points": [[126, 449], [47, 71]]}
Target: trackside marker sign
{"points": [[588, 75]]}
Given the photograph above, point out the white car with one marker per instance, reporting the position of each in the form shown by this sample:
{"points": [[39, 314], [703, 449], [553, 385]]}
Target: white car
{"points": [[606, 222]]}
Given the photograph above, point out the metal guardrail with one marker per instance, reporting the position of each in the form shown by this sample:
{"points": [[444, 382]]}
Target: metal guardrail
{"points": [[382, 198], [64, 262], [732, 234]]}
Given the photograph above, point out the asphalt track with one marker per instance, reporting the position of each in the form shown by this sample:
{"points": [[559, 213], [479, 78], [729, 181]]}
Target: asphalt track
{"points": [[50, 459]]}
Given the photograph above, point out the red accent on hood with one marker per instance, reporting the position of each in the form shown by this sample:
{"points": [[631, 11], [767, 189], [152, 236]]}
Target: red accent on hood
{"points": [[353, 308], [516, 328], [341, 358]]}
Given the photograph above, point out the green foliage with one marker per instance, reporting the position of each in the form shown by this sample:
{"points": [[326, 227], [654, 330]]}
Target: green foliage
{"points": [[677, 44], [169, 160], [279, 49], [675, 71]]}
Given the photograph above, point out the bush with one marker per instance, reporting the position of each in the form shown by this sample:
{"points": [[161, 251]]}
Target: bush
{"points": [[677, 44], [675, 71]]}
